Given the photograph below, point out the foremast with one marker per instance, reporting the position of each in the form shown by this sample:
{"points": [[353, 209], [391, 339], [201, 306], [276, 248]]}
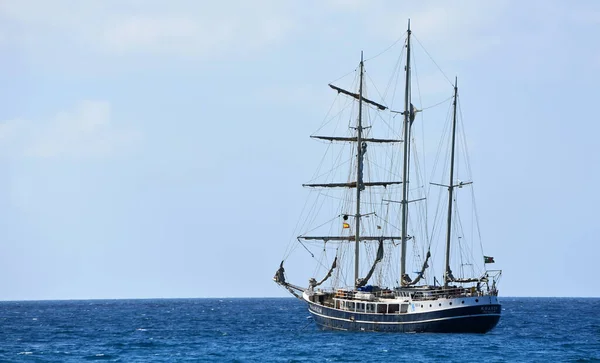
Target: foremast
{"points": [[359, 184]]}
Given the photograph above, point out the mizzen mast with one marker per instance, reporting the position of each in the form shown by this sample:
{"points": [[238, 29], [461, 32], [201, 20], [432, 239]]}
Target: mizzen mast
{"points": [[447, 273]]}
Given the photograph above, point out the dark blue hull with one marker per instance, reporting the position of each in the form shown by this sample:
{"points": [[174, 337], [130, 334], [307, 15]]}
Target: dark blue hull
{"points": [[468, 319]]}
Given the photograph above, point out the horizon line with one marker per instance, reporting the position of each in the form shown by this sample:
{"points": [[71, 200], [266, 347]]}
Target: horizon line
{"points": [[253, 297]]}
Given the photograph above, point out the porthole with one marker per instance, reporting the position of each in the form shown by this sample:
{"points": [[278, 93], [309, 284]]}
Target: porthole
{"points": [[450, 302], [476, 300], [440, 304], [421, 305], [429, 305], [462, 302]]}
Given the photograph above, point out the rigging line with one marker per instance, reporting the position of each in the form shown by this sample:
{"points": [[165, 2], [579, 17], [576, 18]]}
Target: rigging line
{"points": [[316, 173], [390, 128], [472, 187], [318, 266], [376, 89], [422, 132], [388, 48], [335, 80], [292, 247], [326, 121], [394, 79], [385, 221], [438, 154], [459, 230], [349, 102], [422, 207], [308, 214], [306, 248], [321, 225], [312, 215], [330, 170], [310, 221], [474, 217], [345, 199], [437, 104], [313, 256], [335, 161], [299, 224], [442, 202], [464, 137], [430, 57], [436, 229], [391, 173]]}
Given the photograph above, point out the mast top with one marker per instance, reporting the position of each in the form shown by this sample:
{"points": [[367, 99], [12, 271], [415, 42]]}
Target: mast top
{"points": [[409, 25]]}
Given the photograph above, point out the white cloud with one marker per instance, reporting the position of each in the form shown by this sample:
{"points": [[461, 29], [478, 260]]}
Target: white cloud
{"points": [[185, 27], [86, 131], [458, 30]]}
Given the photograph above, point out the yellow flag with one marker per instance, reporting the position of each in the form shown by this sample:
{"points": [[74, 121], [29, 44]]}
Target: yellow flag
{"points": [[346, 225]]}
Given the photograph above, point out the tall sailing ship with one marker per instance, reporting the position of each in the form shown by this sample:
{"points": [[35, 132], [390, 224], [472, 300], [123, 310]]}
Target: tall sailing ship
{"points": [[372, 223]]}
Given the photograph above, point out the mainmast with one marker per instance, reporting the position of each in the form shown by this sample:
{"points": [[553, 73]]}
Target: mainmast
{"points": [[451, 188], [406, 151], [359, 172]]}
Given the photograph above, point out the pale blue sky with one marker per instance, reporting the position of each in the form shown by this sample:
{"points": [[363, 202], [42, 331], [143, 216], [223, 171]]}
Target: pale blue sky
{"points": [[156, 149]]}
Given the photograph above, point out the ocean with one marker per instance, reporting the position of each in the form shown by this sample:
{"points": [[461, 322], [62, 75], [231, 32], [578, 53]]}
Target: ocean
{"points": [[280, 330]]}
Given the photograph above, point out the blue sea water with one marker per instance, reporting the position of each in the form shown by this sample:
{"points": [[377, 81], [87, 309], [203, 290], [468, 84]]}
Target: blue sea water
{"points": [[280, 330]]}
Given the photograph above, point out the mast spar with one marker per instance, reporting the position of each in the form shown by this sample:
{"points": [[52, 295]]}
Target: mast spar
{"points": [[447, 272], [406, 151], [359, 171]]}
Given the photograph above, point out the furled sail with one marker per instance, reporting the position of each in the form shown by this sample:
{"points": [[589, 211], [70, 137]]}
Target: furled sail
{"points": [[313, 282], [361, 156], [280, 275], [366, 139], [279, 278], [352, 184], [358, 97], [406, 279], [465, 280], [362, 282], [477, 279]]}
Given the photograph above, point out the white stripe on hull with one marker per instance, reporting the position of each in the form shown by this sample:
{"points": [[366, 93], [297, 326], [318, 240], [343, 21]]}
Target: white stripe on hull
{"points": [[401, 322]]}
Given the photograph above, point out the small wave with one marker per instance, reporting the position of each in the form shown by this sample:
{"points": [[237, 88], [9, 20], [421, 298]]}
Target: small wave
{"points": [[141, 329], [25, 353], [99, 356]]}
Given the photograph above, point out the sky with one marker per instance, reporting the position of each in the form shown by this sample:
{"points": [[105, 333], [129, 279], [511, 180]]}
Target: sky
{"points": [[154, 149]]}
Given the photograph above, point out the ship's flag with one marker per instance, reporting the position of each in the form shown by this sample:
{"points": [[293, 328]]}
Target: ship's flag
{"points": [[346, 225], [488, 259]]}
